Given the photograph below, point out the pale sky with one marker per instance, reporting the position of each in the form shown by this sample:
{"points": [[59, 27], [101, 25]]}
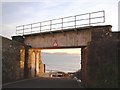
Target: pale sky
{"points": [[76, 51], [19, 12]]}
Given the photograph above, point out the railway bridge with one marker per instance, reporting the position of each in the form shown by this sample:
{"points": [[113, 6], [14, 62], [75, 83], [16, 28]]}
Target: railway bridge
{"points": [[97, 44]]}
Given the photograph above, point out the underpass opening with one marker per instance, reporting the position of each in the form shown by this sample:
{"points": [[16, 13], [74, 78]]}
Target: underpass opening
{"points": [[61, 62]]}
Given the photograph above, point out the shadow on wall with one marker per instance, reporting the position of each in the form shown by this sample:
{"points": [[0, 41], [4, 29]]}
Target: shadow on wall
{"points": [[103, 63]]}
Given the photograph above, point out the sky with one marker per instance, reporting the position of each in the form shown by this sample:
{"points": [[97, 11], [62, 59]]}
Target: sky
{"points": [[76, 51], [19, 12]]}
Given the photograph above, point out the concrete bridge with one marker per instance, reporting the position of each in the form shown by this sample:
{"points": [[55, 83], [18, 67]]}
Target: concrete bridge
{"points": [[63, 32], [84, 38], [99, 48], [97, 45]]}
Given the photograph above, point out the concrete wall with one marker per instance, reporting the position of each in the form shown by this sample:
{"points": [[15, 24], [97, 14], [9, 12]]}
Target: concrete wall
{"points": [[102, 62], [10, 60]]}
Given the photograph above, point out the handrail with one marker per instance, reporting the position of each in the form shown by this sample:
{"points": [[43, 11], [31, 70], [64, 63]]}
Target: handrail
{"points": [[62, 23]]}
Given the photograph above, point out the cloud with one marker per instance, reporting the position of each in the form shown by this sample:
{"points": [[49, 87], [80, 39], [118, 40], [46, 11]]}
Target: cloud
{"points": [[19, 13]]}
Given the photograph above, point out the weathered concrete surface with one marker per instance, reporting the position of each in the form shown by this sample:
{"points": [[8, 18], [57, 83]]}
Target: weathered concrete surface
{"points": [[102, 62], [68, 38], [10, 60]]}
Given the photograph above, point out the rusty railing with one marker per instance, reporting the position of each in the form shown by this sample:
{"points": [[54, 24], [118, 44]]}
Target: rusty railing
{"points": [[76, 21]]}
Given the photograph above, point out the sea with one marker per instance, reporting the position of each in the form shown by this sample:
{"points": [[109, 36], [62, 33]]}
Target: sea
{"points": [[61, 62]]}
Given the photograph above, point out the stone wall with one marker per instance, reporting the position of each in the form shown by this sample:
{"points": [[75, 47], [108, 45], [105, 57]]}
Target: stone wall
{"points": [[10, 60], [0, 63], [16, 61], [102, 66]]}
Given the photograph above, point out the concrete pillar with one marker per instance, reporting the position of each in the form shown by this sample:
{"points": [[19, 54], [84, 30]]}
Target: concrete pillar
{"points": [[84, 64], [37, 61], [35, 65], [26, 63], [31, 62]]}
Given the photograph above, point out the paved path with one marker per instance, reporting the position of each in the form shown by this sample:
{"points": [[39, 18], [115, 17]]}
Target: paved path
{"points": [[45, 83]]}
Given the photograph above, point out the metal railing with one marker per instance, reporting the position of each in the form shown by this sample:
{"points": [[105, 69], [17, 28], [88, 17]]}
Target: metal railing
{"points": [[76, 21]]}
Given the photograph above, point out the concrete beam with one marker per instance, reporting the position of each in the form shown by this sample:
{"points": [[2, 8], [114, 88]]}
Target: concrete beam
{"points": [[68, 38]]}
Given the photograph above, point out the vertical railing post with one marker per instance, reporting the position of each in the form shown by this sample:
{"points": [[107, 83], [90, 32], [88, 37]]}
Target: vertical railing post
{"points": [[16, 30], [50, 25], [89, 19], [103, 16], [62, 23], [31, 28], [75, 21], [23, 29], [40, 27]]}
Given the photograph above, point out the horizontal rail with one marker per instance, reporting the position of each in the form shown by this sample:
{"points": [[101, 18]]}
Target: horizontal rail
{"points": [[76, 21]]}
